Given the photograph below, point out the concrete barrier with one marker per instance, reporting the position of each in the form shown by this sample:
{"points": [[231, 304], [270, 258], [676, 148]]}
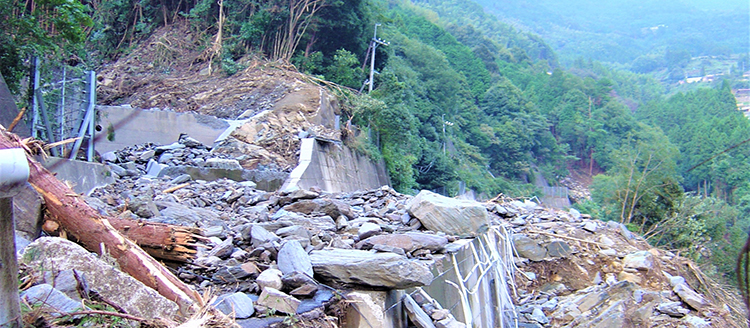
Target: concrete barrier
{"points": [[334, 167], [123, 126], [82, 176]]}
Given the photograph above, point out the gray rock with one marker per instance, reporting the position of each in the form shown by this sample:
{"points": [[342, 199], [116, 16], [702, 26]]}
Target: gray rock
{"points": [[452, 216], [278, 301], [153, 168], [146, 156], [292, 257], [372, 269], [409, 241], [65, 282], [269, 278], [50, 299], [109, 156], [224, 249], [213, 231], [303, 194], [190, 142], [558, 248], [589, 226], [143, 206], [165, 158], [342, 222], [120, 288], [259, 322], [296, 279], [529, 248], [689, 296], [185, 214], [294, 230], [238, 303], [673, 309], [387, 248], [368, 229], [641, 260], [224, 164], [182, 178], [416, 314], [172, 146], [575, 214], [261, 236], [331, 207], [538, 315], [21, 242], [230, 274], [696, 322], [321, 297]]}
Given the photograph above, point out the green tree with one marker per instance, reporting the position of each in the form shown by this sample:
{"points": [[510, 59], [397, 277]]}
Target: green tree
{"points": [[642, 187], [38, 28]]}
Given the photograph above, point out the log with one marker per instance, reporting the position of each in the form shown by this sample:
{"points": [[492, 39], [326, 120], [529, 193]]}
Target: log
{"points": [[96, 232], [162, 241]]}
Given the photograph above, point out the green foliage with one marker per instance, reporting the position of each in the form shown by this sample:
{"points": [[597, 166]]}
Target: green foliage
{"points": [[51, 28], [345, 69], [642, 186]]}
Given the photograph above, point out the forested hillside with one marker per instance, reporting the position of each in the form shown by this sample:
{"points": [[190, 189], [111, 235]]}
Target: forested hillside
{"points": [[459, 97], [647, 37]]}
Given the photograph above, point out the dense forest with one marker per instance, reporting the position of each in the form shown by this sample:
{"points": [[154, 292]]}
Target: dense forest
{"points": [[460, 98]]}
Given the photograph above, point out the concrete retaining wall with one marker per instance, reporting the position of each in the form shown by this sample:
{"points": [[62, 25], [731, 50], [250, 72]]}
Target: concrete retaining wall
{"points": [[333, 167], [127, 126], [81, 176]]}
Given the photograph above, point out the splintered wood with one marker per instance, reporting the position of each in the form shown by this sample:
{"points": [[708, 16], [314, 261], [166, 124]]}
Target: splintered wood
{"points": [[92, 230]]}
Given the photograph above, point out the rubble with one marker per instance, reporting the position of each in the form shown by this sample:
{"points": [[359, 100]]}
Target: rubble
{"points": [[292, 253]]}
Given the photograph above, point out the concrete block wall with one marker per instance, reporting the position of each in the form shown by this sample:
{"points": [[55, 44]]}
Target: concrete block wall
{"points": [[334, 167]]}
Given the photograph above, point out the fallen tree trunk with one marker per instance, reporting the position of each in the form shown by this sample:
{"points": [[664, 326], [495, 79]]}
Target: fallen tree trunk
{"points": [[98, 234], [162, 241]]}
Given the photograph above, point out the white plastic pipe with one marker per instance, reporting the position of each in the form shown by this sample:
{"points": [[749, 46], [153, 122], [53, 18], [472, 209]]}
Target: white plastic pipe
{"points": [[14, 172]]}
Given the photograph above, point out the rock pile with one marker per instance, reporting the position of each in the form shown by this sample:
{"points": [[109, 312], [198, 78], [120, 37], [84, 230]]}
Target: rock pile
{"points": [[285, 253], [577, 272], [270, 256]]}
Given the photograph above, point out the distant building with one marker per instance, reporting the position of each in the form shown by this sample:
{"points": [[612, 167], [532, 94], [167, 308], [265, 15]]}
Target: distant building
{"points": [[743, 100]]}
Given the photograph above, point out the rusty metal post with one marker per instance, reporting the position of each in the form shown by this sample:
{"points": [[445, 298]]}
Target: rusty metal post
{"points": [[14, 172]]}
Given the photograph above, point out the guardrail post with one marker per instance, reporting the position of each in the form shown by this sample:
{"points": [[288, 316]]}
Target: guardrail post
{"points": [[14, 172]]}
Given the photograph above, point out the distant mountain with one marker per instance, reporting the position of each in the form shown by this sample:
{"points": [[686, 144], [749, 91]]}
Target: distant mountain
{"points": [[622, 30]]}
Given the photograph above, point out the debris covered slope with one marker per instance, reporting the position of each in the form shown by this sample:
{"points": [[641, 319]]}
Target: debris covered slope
{"points": [[572, 270]]}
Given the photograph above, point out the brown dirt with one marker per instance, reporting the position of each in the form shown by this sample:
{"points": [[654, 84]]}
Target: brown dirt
{"points": [[170, 71]]}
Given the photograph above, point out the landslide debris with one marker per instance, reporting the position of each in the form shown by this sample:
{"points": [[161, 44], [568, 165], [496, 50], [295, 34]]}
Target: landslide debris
{"points": [[260, 246], [572, 271], [168, 71]]}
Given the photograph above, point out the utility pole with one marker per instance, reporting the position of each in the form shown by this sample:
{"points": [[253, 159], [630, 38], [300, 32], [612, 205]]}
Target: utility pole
{"points": [[375, 42], [444, 136]]}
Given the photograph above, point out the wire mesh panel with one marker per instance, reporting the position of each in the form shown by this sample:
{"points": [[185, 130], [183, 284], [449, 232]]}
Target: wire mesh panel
{"points": [[61, 98]]}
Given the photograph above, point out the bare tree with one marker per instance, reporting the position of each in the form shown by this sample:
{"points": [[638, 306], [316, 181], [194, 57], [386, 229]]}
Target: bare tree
{"points": [[301, 15]]}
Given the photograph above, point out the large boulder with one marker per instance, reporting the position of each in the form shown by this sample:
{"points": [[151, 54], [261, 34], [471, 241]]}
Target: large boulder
{"points": [[409, 241], [358, 267], [57, 254], [449, 215]]}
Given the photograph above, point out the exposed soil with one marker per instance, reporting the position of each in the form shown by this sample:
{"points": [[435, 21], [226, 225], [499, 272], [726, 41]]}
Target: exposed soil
{"points": [[171, 71]]}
